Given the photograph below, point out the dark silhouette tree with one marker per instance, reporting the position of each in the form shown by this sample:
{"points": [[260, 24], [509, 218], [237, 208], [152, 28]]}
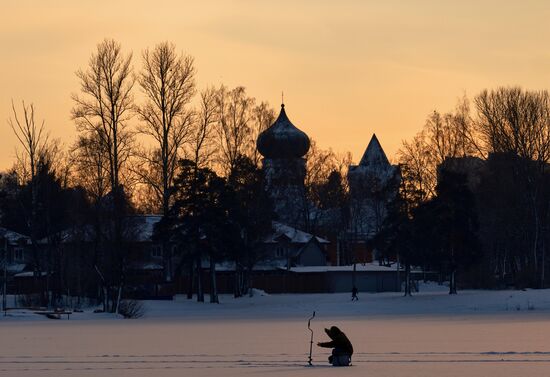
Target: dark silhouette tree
{"points": [[396, 237], [517, 122], [102, 112], [167, 80], [239, 122], [198, 220], [105, 105], [251, 214], [456, 224]]}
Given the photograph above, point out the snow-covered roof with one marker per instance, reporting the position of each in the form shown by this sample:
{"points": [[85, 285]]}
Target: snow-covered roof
{"points": [[14, 238], [142, 227], [293, 234], [230, 266], [149, 266], [14, 267], [368, 267], [138, 228], [28, 274], [83, 234], [281, 265]]}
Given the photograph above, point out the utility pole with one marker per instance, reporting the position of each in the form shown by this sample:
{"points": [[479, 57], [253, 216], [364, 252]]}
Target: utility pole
{"points": [[398, 277]]}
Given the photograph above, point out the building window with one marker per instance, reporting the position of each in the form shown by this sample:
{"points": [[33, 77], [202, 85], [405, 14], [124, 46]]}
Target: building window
{"points": [[18, 254], [156, 251]]}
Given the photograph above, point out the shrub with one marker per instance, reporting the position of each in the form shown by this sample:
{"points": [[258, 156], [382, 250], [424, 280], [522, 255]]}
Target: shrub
{"points": [[131, 309]]}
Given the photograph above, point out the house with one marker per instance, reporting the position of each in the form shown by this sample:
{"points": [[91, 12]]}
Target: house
{"points": [[368, 277], [16, 251], [147, 270], [289, 247], [18, 262]]}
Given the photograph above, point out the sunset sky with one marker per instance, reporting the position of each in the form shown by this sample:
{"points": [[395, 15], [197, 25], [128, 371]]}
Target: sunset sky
{"points": [[347, 68]]}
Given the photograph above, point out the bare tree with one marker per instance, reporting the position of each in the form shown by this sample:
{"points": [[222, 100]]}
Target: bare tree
{"points": [[445, 135], [511, 120], [234, 125], [34, 162], [320, 163], [32, 138], [34, 141], [451, 134], [105, 105], [517, 122], [420, 173], [510, 129], [101, 113], [200, 148], [263, 116], [168, 82], [92, 170]]}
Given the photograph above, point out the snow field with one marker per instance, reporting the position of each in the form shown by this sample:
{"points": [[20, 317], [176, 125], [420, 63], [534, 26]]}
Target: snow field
{"points": [[428, 335]]}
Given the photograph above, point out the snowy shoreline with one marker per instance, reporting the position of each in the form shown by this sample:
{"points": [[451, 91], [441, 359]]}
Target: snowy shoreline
{"points": [[431, 303]]}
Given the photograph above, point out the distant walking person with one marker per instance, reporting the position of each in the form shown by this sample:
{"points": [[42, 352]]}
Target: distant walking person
{"points": [[341, 347], [354, 292]]}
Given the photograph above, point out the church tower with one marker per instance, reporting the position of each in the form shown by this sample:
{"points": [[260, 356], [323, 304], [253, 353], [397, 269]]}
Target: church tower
{"points": [[373, 183], [374, 162], [283, 147]]}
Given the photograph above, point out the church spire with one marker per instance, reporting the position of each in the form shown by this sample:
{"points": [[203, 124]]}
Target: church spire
{"points": [[374, 154]]}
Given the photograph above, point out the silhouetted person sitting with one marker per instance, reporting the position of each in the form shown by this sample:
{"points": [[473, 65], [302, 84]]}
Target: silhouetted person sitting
{"points": [[342, 348]]}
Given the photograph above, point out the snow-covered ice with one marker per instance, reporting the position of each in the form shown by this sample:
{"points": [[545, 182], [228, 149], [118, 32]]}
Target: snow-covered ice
{"points": [[474, 334]]}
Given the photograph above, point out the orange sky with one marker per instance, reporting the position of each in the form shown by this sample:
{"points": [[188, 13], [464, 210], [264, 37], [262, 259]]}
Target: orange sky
{"points": [[347, 68]]}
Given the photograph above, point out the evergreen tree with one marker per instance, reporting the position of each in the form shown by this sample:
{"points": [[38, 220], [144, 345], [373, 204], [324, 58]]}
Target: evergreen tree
{"points": [[251, 214], [198, 220], [455, 222], [396, 237]]}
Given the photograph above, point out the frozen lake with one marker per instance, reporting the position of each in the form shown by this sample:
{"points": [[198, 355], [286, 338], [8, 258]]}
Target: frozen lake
{"points": [[490, 335]]}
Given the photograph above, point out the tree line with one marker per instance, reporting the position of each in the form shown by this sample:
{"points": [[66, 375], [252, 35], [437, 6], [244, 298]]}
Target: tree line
{"points": [[471, 202], [474, 196], [148, 141]]}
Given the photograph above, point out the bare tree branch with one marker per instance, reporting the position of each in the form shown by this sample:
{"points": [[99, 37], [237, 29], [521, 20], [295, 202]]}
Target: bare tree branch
{"points": [[168, 82]]}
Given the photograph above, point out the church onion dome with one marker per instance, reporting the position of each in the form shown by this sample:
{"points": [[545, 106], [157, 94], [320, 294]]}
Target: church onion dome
{"points": [[282, 139]]}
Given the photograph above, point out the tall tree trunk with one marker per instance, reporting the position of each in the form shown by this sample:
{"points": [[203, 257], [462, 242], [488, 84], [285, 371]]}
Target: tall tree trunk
{"points": [[118, 299], [200, 293], [354, 275], [249, 281], [452, 282], [213, 283], [543, 265], [398, 275], [190, 281], [537, 230], [237, 288], [167, 261], [407, 279]]}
